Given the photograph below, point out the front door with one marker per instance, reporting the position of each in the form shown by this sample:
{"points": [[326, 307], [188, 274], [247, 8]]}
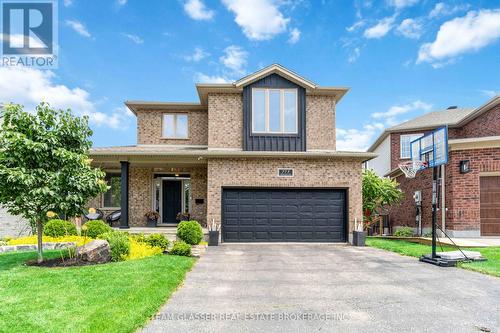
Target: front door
{"points": [[172, 200]]}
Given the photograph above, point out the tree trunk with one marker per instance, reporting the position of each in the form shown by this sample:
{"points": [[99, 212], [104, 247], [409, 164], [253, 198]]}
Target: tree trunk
{"points": [[39, 232]]}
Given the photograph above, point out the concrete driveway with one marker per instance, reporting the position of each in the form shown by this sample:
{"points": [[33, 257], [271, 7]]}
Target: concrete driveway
{"points": [[308, 288]]}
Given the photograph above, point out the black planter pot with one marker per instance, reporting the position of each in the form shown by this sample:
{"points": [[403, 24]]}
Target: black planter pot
{"points": [[151, 223], [213, 238], [358, 238]]}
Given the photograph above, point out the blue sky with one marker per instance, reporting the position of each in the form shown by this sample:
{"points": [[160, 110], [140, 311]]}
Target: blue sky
{"points": [[401, 58]]}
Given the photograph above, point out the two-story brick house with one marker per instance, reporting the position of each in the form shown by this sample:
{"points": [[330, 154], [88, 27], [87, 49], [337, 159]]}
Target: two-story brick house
{"points": [[471, 184], [256, 156]]}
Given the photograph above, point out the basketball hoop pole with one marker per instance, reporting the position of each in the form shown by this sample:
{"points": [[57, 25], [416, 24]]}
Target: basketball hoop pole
{"points": [[435, 200]]}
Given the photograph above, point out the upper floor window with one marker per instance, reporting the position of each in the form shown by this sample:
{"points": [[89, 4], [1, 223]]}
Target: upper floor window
{"points": [[112, 197], [175, 126], [274, 111], [404, 143]]}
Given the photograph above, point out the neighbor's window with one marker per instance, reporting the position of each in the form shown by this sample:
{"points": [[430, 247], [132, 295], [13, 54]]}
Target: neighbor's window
{"points": [[113, 196], [274, 111], [404, 143], [175, 126]]}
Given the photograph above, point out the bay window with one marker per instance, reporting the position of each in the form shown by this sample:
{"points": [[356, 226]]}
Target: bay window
{"points": [[274, 111]]}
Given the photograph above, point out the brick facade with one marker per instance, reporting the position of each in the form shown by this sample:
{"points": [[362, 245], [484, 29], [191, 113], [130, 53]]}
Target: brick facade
{"points": [[320, 122], [149, 127], [225, 121], [263, 173]]}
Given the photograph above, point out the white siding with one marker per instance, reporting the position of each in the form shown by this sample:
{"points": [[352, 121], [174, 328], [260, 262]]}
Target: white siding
{"points": [[382, 163]]}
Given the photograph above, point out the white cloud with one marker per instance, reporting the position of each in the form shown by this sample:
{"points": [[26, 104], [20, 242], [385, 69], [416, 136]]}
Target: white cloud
{"points": [[380, 29], [399, 4], [18, 39], [354, 55], [67, 3], [410, 28], [398, 110], [259, 19], [356, 26], [461, 35], [197, 10], [78, 27], [234, 58], [357, 139], [197, 55], [121, 2], [204, 78], [29, 87], [294, 36], [489, 93], [134, 38], [443, 9]]}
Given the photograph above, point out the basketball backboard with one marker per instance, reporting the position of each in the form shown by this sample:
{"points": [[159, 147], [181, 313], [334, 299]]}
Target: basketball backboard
{"points": [[431, 148]]}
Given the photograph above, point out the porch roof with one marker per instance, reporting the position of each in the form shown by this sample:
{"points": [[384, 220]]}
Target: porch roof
{"points": [[200, 153]]}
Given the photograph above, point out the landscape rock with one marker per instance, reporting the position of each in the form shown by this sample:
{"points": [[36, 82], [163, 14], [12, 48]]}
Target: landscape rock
{"points": [[97, 251]]}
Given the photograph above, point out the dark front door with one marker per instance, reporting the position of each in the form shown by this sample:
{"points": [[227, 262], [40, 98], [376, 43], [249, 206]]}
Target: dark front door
{"points": [[284, 215], [172, 200]]}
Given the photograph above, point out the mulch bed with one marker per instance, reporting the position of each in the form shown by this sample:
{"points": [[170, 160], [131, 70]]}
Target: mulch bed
{"points": [[59, 262]]}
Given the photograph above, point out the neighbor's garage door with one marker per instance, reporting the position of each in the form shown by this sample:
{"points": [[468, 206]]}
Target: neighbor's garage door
{"points": [[283, 215], [490, 206]]}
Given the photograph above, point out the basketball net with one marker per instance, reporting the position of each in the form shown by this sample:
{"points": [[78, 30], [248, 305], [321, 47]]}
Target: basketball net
{"points": [[411, 168]]}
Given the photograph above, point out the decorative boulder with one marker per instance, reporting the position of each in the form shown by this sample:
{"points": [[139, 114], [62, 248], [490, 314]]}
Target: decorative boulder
{"points": [[97, 251]]}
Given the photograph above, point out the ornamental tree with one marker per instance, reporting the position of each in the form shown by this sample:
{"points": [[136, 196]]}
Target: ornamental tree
{"points": [[44, 165], [378, 194]]}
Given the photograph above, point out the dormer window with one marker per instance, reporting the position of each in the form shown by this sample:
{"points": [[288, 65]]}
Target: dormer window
{"points": [[175, 126], [274, 111]]}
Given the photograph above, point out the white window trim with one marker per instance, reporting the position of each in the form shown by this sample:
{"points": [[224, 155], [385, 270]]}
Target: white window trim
{"points": [[282, 111], [175, 137], [415, 136]]}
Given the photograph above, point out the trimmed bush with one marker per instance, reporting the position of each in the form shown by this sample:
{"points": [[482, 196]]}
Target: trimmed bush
{"points": [[157, 240], [95, 228], [59, 228], [118, 243], [181, 248], [190, 232], [404, 232]]}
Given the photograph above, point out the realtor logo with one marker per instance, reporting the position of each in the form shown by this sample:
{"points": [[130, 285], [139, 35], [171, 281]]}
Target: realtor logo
{"points": [[29, 33]]}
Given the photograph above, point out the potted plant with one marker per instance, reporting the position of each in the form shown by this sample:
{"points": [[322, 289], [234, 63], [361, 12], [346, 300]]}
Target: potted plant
{"points": [[152, 218], [213, 234], [183, 216], [358, 234]]}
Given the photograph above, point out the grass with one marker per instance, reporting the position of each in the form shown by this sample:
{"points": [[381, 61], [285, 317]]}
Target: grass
{"points": [[492, 254], [115, 297]]}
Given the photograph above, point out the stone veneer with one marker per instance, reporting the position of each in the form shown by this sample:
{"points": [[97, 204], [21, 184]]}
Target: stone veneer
{"points": [[150, 126], [263, 173], [320, 122]]}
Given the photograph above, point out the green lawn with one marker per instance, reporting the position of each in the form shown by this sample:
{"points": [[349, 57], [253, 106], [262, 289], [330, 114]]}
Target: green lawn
{"points": [[115, 297], [491, 266]]}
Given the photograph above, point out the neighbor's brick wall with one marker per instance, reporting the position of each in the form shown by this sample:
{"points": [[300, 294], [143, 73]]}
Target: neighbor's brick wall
{"points": [[225, 120], [320, 122], [150, 127], [263, 173], [488, 124]]}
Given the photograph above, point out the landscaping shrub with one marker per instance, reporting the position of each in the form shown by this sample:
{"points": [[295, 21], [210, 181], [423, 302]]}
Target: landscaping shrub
{"points": [[3, 243], [181, 248], [404, 232], [94, 229], [157, 240], [140, 250], [118, 243], [427, 234], [59, 228], [27, 240], [190, 232]]}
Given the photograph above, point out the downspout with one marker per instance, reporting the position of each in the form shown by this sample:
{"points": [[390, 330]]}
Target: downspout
{"points": [[443, 200]]}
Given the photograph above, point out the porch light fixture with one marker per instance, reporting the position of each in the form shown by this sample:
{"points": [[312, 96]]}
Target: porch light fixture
{"points": [[465, 166]]}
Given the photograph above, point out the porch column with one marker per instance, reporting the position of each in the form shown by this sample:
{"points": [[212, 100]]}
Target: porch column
{"points": [[124, 195]]}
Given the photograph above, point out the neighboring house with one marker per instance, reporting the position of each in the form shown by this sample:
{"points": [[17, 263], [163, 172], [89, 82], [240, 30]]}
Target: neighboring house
{"points": [[471, 199], [256, 156], [13, 226]]}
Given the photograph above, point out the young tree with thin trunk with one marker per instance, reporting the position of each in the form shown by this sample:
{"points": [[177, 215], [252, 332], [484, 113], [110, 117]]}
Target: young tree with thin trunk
{"points": [[44, 165]]}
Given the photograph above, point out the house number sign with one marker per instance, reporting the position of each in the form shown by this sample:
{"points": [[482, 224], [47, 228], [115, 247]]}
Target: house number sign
{"points": [[285, 172]]}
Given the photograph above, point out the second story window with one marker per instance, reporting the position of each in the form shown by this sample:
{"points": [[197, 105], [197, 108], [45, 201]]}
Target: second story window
{"points": [[274, 111], [404, 143], [175, 126]]}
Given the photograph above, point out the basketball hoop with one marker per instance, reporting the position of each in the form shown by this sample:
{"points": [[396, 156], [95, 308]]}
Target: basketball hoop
{"points": [[411, 168]]}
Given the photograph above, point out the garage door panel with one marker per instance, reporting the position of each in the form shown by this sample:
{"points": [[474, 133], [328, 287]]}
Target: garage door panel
{"points": [[490, 205], [277, 215]]}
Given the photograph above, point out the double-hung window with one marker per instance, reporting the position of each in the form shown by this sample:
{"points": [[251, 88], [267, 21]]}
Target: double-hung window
{"points": [[404, 143], [274, 111], [112, 197], [175, 126]]}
